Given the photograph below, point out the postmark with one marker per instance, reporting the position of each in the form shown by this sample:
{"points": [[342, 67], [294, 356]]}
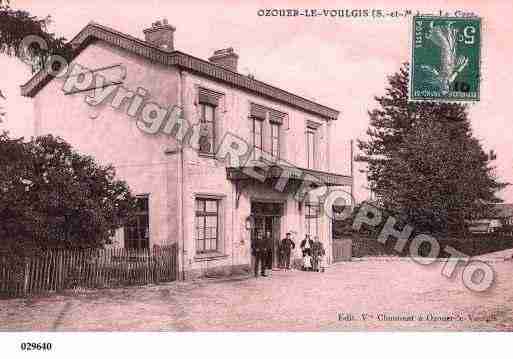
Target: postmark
{"points": [[445, 59]]}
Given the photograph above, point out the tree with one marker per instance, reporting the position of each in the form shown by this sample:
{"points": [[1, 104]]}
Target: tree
{"points": [[16, 25], [52, 196], [424, 163]]}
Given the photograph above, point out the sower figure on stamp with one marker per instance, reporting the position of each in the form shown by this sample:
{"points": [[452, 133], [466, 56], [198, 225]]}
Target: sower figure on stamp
{"points": [[259, 251], [287, 245]]}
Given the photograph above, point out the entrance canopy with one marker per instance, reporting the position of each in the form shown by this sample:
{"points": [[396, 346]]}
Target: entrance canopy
{"points": [[287, 178], [289, 174]]}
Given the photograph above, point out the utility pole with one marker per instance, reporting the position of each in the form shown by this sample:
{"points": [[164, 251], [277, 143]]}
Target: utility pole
{"points": [[352, 173]]}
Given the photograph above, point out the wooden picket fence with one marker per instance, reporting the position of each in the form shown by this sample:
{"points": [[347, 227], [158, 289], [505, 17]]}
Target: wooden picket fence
{"points": [[60, 269]]}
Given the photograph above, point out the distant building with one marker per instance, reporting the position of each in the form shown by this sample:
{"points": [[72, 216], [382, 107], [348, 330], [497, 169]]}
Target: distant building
{"points": [[503, 216]]}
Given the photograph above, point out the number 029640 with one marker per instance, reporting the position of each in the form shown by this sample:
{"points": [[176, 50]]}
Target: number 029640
{"points": [[28, 346]]}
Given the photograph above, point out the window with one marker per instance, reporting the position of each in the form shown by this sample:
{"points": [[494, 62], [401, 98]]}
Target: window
{"points": [[312, 219], [275, 139], [268, 120], [207, 225], [207, 136], [311, 147], [258, 138], [137, 232]]}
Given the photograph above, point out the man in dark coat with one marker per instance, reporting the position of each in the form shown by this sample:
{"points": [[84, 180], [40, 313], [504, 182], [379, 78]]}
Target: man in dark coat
{"points": [[269, 250], [306, 245], [287, 245], [259, 250]]}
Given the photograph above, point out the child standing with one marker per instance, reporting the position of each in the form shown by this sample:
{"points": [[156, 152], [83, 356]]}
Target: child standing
{"points": [[307, 262], [321, 262]]}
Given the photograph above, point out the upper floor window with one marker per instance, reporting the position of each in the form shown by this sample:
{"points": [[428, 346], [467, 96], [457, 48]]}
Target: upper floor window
{"points": [[207, 136], [208, 101], [137, 232], [258, 137], [266, 123], [311, 147], [275, 139]]}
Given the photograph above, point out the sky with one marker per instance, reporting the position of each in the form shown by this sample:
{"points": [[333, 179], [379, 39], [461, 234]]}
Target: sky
{"points": [[339, 62]]}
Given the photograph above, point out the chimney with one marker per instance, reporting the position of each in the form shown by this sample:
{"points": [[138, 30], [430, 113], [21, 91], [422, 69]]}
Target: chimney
{"points": [[161, 34], [226, 58]]}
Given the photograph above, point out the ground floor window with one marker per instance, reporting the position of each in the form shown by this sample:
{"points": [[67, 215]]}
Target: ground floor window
{"points": [[137, 232], [207, 225], [312, 219]]}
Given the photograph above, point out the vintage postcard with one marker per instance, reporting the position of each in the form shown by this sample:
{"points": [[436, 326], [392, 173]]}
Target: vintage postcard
{"points": [[218, 166]]}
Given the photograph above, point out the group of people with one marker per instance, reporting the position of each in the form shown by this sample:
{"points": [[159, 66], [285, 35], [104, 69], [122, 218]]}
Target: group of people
{"points": [[313, 254], [262, 249]]}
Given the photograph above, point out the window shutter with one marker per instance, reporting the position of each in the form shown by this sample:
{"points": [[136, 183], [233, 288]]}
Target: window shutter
{"points": [[276, 116], [258, 111], [262, 112], [209, 97]]}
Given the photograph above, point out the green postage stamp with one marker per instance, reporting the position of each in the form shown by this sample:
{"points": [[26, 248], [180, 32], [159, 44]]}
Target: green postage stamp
{"points": [[446, 58]]}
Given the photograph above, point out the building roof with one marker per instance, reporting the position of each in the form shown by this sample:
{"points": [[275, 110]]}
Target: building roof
{"points": [[93, 32]]}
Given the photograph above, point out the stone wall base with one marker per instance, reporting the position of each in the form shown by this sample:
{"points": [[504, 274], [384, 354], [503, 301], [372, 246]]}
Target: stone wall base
{"points": [[217, 272]]}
